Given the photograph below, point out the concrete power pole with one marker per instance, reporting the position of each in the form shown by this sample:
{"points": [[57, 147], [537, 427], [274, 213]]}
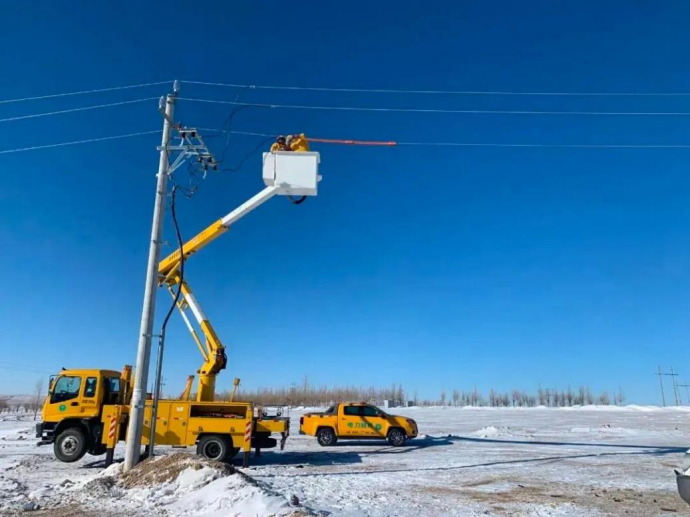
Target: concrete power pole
{"points": [[141, 372]]}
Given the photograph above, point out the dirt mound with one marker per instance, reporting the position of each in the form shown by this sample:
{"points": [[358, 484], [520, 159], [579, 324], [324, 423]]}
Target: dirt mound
{"points": [[103, 487], [164, 469]]}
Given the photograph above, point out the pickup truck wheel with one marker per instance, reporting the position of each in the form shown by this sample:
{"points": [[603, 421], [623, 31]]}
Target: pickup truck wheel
{"points": [[325, 436], [214, 447], [396, 437], [70, 445]]}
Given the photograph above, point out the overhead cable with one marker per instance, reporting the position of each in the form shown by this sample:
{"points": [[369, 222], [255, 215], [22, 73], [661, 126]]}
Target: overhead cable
{"points": [[438, 110], [76, 142], [83, 92], [419, 144], [565, 146], [479, 144], [445, 92], [72, 110]]}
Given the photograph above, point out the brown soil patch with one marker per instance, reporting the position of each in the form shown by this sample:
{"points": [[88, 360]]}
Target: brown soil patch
{"points": [[521, 494], [71, 510], [609, 501], [167, 468]]}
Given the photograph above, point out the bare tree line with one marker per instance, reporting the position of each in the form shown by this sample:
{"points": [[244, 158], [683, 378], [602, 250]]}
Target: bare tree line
{"points": [[306, 394], [34, 405]]}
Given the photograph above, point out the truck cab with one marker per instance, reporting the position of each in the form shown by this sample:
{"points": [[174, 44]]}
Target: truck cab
{"points": [[71, 414], [357, 420]]}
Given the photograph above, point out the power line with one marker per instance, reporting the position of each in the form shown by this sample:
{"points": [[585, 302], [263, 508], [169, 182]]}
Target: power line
{"points": [[439, 110], [555, 146], [445, 92], [21, 367], [479, 144], [246, 133], [76, 142], [72, 110], [432, 144], [83, 92]]}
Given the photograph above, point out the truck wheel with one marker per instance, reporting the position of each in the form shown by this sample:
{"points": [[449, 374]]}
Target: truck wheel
{"points": [[214, 447], [70, 445], [396, 437], [325, 436]]}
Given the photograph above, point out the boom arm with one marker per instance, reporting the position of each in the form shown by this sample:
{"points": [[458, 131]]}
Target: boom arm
{"points": [[170, 264], [284, 173], [212, 349]]}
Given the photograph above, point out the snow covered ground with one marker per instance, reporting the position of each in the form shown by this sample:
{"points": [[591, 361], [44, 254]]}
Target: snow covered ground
{"points": [[536, 462]]}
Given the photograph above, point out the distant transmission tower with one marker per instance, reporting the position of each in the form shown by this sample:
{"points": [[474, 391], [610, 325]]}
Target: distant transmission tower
{"points": [[661, 385], [673, 376], [687, 391]]}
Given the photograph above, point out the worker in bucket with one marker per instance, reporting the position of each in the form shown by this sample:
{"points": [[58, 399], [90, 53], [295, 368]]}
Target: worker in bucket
{"points": [[279, 145], [298, 143]]}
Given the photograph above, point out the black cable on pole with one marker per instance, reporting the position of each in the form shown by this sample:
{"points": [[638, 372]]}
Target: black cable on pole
{"points": [[247, 156], [180, 244], [161, 336]]}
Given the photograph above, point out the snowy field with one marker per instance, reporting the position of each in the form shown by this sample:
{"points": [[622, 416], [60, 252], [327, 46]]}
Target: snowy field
{"points": [[537, 462]]}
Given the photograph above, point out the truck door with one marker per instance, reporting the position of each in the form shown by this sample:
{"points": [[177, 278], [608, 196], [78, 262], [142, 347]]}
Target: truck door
{"points": [[375, 422], [90, 405], [64, 399], [351, 422]]}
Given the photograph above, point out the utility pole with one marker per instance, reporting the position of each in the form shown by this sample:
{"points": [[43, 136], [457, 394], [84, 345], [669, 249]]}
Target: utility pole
{"points": [[675, 386], [141, 373], [687, 391], [661, 385]]}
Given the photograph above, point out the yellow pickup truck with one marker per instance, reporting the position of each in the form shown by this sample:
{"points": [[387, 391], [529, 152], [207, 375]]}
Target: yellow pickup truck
{"points": [[357, 420]]}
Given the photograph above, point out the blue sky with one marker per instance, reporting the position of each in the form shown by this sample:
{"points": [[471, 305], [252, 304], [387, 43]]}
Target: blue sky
{"points": [[433, 267]]}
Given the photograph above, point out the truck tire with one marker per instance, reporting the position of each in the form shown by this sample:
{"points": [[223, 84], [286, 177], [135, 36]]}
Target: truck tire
{"points": [[70, 445], [214, 447], [396, 437], [326, 437]]}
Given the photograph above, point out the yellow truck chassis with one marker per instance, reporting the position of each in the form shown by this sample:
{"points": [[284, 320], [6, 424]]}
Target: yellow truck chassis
{"points": [[87, 411], [182, 423]]}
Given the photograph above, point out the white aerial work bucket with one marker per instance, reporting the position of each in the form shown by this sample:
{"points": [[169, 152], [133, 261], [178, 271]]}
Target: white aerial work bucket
{"points": [[292, 173]]}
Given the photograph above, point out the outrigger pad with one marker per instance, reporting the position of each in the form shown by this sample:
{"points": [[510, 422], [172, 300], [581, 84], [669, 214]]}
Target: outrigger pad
{"points": [[683, 481]]}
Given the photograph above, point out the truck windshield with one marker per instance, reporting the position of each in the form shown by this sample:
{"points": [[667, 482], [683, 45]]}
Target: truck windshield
{"points": [[66, 388]]}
